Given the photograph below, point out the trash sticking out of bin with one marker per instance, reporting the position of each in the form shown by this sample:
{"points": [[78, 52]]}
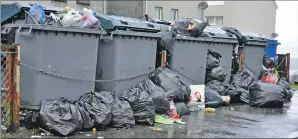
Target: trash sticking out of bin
{"points": [[189, 27], [38, 13]]}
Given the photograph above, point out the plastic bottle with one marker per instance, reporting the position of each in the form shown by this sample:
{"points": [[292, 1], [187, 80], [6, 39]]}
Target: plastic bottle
{"points": [[209, 110], [172, 110]]}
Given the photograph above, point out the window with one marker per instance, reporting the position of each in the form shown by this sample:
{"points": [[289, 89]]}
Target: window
{"points": [[158, 13], [85, 2], [215, 3], [215, 20], [174, 14]]}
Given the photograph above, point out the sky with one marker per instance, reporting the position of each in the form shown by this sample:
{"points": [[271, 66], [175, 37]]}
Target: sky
{"points": [[287, 27]]}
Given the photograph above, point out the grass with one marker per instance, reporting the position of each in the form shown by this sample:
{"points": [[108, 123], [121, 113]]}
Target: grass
{"points": [[294, 86]]}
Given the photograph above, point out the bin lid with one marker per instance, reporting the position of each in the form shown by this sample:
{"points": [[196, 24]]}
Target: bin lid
{"points": [[255, 39], [54, 28], [273, 42], [164, 22], [219, 34], [9, 10], [113, 22]]}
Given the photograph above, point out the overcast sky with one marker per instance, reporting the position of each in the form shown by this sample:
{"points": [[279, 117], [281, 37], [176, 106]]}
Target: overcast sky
{"points": [[287, 27]]}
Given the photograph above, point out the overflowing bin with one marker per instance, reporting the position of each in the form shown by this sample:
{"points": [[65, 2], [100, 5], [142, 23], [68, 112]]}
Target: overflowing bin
{"points": [[127, 54], [17, 12], [190, 54], [55, 62], [253, 52], [223, 43]]}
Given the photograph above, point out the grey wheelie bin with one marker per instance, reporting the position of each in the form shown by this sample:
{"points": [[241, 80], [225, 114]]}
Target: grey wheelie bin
{"points": [[188, 58], [253, 52], [127, 54], [55, 62], [190, 54], [17, 12], [223, 43]]}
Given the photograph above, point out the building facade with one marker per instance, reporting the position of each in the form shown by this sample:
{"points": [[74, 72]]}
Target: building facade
{"points": [[163, 10], [98, 6], [249, 16]]}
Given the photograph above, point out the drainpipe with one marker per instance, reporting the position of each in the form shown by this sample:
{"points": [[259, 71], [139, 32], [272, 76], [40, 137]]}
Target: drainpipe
{"points": [[105, 7], [146, 7], [202, 14]]}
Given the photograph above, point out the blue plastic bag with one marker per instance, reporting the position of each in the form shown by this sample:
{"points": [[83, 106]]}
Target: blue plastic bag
{"points": [[38, 13]]}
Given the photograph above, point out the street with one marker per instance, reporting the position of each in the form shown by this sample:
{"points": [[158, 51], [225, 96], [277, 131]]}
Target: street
{"points": [[233, 121]]}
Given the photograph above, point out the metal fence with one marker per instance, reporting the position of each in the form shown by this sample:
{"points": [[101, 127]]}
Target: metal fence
{"points": [[10, 102]]}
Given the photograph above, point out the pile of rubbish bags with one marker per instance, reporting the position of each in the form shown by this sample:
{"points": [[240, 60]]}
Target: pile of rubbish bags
{"points": [[92, 110], [68, 17], [243, 88], [163, 93], [137, 105]]}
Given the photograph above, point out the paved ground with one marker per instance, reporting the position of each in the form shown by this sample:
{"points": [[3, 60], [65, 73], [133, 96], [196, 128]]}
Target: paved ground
{"points": [[233, 121]]}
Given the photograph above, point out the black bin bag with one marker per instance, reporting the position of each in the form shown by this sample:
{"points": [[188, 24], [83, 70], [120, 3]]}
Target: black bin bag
{"points": [[266, 95], [213, 59], [283, 82], [289, 94], [244, 97], [167, 40], [243, 79], [171, 84], [161, 103], [217, 73], [98, 108], [142, 105], [217, 86], [122, 113], [182, 109], [60, 117], [211, 96], [223, 89]]}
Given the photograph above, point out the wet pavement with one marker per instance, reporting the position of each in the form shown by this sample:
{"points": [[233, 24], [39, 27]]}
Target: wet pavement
{"points": [[230, 121]]}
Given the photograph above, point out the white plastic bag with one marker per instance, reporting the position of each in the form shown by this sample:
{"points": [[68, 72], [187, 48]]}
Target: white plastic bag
{"points": [[90, 21], [38, 13], [86, 11], [197, 93], [72, 19], [197, 97]]}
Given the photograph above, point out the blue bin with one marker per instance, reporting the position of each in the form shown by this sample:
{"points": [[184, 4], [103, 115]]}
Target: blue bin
{"points": [[270, 50]]}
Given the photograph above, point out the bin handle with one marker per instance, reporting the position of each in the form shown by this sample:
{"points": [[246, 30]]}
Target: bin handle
{"points": [[24, 33], [107, 37]]}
